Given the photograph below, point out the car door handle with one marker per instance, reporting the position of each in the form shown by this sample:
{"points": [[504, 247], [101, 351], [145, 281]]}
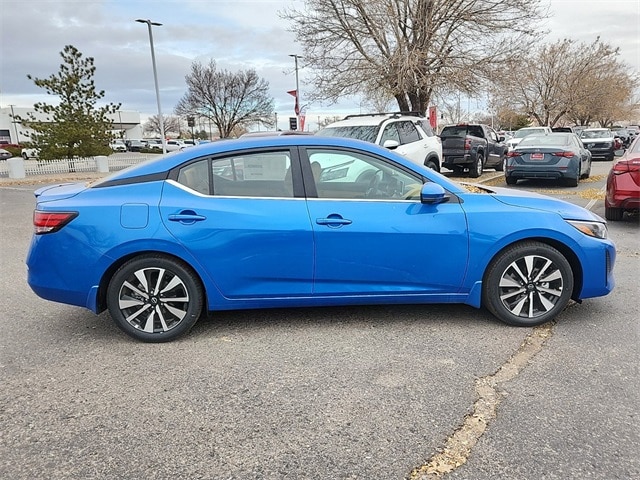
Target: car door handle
{"points": [[187, 217], [333, 221]]}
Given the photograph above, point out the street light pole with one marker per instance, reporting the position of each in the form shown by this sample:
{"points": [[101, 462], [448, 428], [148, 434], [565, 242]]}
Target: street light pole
{"points": [[15, 124], [296, 57], [155, 78]]}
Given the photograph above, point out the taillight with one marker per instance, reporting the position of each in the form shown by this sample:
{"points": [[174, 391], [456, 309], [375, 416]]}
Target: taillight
{"points": [[563, 154], [49, 222], [467, 144], [513, 153], [627, 166]]}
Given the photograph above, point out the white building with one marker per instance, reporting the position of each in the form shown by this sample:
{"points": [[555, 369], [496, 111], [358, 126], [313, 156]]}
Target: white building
{"points": [[126, 124]]}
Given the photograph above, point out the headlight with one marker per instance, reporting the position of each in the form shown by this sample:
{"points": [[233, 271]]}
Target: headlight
{"points": [[593, 229]]}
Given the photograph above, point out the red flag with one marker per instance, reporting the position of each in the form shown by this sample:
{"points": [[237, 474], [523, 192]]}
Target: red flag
{"points": [[295, 94]]}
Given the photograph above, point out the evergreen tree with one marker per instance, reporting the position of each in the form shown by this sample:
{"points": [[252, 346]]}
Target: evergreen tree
{"points": [[75, 127]]}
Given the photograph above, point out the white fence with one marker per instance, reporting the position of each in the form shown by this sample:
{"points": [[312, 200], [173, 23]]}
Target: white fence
{"points": [[16, 167]]}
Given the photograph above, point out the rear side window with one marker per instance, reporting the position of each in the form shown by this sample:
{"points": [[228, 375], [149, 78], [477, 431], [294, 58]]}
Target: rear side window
{"points": [[260, 174], [196, 176]]}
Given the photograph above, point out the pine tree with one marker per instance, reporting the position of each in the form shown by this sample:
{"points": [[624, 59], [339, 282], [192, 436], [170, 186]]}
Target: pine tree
{"points": [[76, 127]]}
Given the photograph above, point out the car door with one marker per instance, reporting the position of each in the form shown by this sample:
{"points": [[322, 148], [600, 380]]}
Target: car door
{"points": [[496, 148], [372, 235], [238, 216], [409, 138]]}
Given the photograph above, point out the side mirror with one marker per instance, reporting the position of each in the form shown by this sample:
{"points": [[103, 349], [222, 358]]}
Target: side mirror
{"points": [[501, 139], [391, 144], [433, 194]]}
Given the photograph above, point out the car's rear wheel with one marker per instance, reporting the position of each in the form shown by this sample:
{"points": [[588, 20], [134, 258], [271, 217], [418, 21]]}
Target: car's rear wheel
{"points": [[500, 166], [571, 182], [155, 298], [476, 168], [527, 284], [510, 180], [613, 214]]}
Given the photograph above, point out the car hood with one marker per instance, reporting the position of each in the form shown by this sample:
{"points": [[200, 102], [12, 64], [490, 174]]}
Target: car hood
{"points": [[59, 191], [536, 201]]}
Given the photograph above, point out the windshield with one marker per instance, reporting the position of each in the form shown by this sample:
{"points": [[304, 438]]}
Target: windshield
{"points": [[528, 131], [359, 132], [545, 140], [596, 134]]}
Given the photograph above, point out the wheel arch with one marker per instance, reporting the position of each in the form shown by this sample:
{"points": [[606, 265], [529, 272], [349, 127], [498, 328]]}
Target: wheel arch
{"points": [[433, 157], [101, 300], [564, 249]]}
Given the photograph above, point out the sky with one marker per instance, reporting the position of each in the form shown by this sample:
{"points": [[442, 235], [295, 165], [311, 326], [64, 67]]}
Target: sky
{"points": [[237, 34]]}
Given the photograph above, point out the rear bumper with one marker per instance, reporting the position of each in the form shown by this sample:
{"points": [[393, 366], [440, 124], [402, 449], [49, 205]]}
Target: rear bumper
{"points": [[622, 192]]}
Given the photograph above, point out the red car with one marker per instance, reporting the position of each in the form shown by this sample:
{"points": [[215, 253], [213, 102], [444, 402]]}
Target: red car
{"points": [[623, 184]]}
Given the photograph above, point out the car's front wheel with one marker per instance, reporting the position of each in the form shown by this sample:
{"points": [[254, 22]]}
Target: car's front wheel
{"points": [[527, 284], [155, 298], [432, 164]]}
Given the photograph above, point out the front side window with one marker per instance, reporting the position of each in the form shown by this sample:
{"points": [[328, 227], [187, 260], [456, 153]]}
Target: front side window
{"points": [[408, 132], [351, 175]]}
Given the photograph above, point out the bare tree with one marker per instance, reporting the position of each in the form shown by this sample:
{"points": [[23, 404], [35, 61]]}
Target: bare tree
{"points": [[171, 124], [410, 49], [566, 80], [228, 99]]}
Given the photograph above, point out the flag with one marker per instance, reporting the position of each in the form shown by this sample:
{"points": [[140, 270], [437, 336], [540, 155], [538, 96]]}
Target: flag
{"points": [[294, 93]]}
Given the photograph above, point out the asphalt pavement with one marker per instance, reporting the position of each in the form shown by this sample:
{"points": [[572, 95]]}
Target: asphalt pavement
{"points": [[319, 393]]}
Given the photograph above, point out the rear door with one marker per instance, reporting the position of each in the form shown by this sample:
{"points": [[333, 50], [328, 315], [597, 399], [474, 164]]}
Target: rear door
{"points": [[239, 217]]}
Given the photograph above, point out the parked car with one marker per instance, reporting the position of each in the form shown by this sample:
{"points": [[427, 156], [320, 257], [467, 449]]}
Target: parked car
{"points": [[5, 154], [407, 133], [523, 132], [118, 146], [600, 142], [135, 145], [28, 153], [472, 146], [556, 155], [154, 144], [623, 184], [174, 145], [562, 130], [164, 241]]}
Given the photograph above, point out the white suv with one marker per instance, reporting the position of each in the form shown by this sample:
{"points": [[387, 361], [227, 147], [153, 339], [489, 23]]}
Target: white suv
{"points": [[523, 132], [407, 133]]}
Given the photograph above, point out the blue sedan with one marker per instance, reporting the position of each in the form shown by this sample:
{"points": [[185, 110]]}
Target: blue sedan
{"points": [[301, 221]]}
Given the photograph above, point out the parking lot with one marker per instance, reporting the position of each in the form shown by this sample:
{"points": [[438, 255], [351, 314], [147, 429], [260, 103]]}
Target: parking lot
{"points": [[323, 393]]}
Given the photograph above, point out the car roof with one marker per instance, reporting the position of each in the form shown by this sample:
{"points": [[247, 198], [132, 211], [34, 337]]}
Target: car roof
{"points": [[366, 119], [273, 134]]}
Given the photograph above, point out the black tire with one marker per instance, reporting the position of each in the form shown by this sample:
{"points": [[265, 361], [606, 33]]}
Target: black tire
{"points": [[500, 166], [476, 168], [432, 164], [25, 156], [510, 180], [613, 214], [527, 284], [155, 298], [571, 182]]}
